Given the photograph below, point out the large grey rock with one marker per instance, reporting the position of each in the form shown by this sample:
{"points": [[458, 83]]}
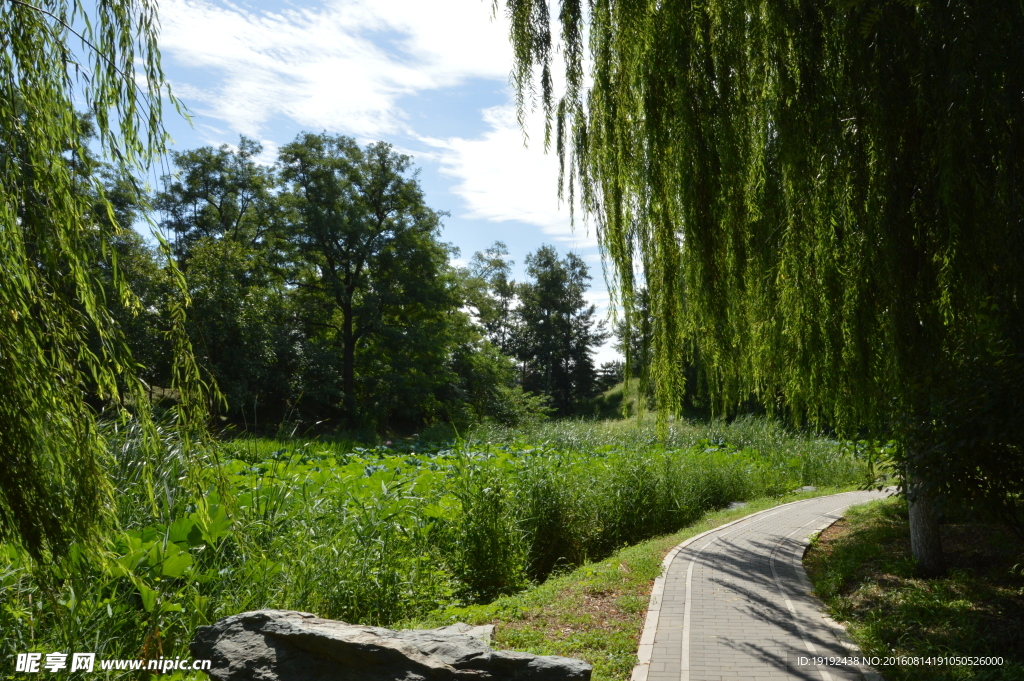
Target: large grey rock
{"points": [[281, 645], [483, 633]]}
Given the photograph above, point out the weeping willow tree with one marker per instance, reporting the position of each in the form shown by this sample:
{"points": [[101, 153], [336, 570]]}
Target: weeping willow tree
{"points": [[62, 359], [822, 199]]}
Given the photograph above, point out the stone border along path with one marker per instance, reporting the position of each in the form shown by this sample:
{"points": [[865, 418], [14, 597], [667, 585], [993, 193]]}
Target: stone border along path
{"points": [[734, 603]]}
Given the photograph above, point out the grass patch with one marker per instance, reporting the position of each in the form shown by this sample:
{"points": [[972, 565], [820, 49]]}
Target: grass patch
{"points": [[595, 612], [862, 568]]}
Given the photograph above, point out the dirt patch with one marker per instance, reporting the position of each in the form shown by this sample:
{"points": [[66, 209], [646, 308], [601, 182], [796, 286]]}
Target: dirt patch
{"points": [[831, 534]]}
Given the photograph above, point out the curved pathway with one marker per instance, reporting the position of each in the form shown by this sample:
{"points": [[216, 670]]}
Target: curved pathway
{"points": [[734, 603]]}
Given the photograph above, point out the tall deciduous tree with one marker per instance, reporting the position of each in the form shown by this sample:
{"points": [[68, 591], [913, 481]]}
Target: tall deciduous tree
{"points": [[493, 295], [217, 194], [53, 484], [222, 213], [365, 236], [835, 185]]}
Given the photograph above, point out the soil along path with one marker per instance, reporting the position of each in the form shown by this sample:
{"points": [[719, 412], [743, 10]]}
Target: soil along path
{"points": [[734, 603]]}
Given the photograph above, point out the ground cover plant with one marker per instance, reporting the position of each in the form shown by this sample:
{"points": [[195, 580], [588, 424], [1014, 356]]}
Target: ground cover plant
{"points": [[863, 569], [380, 534]]}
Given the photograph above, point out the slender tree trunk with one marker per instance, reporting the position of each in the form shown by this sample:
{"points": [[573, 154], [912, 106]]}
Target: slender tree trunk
{"points": [[348, 366], [925, 538]]}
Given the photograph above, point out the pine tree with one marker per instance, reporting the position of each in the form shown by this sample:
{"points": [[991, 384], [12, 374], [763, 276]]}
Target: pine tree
{"points": [[557, 335]]}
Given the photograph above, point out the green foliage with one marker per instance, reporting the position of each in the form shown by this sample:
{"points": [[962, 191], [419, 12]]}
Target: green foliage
{"points": [[321, 293], [369, 534], [372, 264], [489, 546], [220, 210], [61, 354], [636, 340], [484, 381], [492, 293], [544, 322], [623, 400], [240, 323], [821, 198], [557, 334], [516, 407], [144, 324], [218, 194], [978, 409]]}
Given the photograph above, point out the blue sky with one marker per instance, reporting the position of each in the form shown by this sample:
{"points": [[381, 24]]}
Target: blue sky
{"points": [[428, 76]]}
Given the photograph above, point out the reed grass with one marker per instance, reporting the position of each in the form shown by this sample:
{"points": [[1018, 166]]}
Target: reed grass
{"points": [[379, 534]]}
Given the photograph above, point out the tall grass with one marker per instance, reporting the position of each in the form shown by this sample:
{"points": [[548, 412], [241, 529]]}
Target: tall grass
{"points": [[378, 534], [822, 460]]}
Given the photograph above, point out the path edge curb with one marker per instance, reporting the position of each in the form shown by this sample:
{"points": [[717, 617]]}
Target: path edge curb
{"points": [[868, 672], [646, 646]]}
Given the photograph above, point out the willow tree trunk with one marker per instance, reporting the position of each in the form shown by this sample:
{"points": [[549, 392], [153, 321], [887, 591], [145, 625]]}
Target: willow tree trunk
{"points": [[925, 539]]}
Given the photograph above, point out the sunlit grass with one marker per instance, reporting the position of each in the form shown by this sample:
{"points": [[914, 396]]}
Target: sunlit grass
{"points": [[594, 612]]}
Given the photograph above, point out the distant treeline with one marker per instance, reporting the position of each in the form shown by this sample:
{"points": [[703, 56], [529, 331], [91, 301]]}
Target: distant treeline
{"points": [[320, 293]]}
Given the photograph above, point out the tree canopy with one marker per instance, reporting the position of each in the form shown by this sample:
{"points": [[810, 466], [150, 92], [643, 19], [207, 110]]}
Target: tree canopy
{"points": [[217, 193], [822, 198], [322, 294], [544, 322], [368, 239]]}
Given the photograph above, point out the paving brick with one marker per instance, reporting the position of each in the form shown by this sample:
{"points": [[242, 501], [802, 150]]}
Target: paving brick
{"points": [[751, 609]]}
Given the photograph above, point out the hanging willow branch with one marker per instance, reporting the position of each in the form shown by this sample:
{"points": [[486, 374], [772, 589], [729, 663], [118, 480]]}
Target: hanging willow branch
{"points": [[822, 195], [61, 355]]}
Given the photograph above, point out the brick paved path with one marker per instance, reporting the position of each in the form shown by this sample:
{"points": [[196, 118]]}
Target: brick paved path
{"points": [[735, 603]]}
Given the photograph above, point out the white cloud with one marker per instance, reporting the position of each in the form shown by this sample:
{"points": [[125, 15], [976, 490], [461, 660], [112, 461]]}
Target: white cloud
{"points": [[501, 180], [324, 68], [344, 65]]}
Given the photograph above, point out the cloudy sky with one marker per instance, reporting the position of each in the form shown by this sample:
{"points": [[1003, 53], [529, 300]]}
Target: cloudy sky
{"points": [[430, 77]]}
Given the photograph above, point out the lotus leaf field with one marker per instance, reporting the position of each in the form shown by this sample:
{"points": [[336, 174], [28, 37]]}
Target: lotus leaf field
{"points": [[377, 534]]}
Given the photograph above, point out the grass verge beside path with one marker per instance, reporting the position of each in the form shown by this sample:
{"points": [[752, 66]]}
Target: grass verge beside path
{"points": [[862, 568], [595, 612]]}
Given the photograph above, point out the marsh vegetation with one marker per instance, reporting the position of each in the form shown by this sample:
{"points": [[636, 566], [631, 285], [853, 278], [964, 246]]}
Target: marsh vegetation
{"points": [[381, 533]]}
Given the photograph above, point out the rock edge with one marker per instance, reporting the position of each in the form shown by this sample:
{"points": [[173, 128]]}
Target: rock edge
{"points": [[284, 645]]}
